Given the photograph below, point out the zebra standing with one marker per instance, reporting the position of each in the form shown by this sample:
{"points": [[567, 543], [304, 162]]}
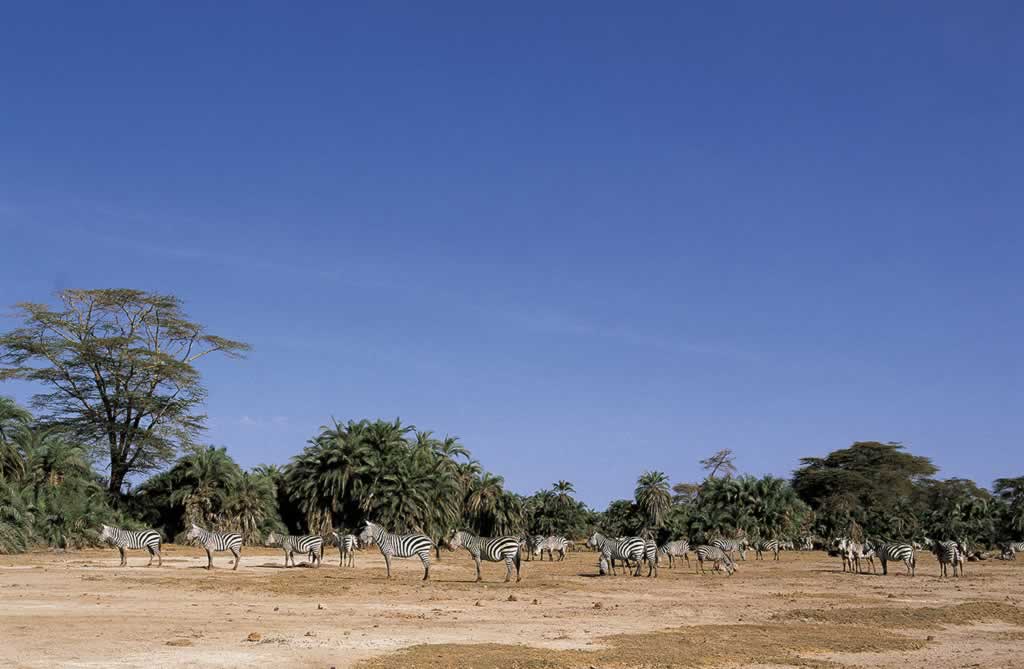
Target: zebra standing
{"points": [[651, 556], [307, 544], [493, 550], [551, 544], [767, 546], [674, 549], [716, 555], [399, 545], [1011, 549], [214, 542], [948, 553], [347, 545], [897, 553], [133, 539], [626, 549], [732, 546]]}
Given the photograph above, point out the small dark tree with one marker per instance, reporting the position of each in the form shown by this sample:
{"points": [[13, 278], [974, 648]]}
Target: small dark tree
{"points": [[722, 461]]}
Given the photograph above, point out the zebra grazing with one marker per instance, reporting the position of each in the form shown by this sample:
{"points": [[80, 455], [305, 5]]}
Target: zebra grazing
{"points": [[399, 545], [493, 550], [307, 544], [716, 555], [767, 546], [214, 542], [1011, 549], [651, 556], [347, 545], [626, 549], [732, 546], [674, 549], [552, 545], [949, 553], [897, 553], [134, 540]]}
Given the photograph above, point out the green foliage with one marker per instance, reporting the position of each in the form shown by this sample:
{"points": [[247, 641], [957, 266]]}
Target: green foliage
{"points": [[870, 483], [557, 512], [117, 368], [1010, 492], [957, 509], [653, 498]]}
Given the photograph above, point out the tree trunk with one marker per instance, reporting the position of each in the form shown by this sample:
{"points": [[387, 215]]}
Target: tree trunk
{"points": [[117, 475]]}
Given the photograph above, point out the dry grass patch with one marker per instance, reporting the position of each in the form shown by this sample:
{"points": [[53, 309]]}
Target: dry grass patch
{"points": [[919, 617], [696, 646]]}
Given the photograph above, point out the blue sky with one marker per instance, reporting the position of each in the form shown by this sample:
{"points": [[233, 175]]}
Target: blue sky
{"points": [[590, 240]]}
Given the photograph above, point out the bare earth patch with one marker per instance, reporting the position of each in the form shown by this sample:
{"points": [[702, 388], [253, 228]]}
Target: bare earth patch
{"points": [[82, 610]]}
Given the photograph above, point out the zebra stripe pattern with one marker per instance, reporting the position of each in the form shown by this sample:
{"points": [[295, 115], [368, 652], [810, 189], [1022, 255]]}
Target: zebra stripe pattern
{"points": [[897, 553], [853, 552], [493, 550], [399, 545], [347, 545], [306, 544], [133, 540], [674, 549], [626, 549], [552, 545], [1010, 550], [949, 553], [214, 542], [651, 557], [767, 546], [732, 546], [715, 555]]}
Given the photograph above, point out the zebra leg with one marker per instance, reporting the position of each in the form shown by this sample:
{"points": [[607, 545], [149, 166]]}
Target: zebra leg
{"points": [[519, 566], [478, 576], [238, 556], [124, 559], [387, 563], [508, 568], [425, 558], [639, 563], [885, 566], [561, 555], [209, 560]]}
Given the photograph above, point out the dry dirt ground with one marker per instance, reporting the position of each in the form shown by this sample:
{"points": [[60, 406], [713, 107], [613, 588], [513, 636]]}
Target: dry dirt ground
{"points": [[81, 610]]}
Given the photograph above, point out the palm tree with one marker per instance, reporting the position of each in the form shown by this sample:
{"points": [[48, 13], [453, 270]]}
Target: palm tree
{"points": [[253, 502], [12, 418], [206, 479], [653, 497]]}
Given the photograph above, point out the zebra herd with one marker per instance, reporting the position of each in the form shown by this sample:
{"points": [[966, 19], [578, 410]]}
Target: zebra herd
{"points": [[633, 552]]}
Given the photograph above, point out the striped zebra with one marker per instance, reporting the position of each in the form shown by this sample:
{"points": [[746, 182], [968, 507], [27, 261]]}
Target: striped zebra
{"points": [[732, 546], [499, 549], [626, 549], [897, 553], [767, 546], [134, 540], [674, 549], [852, 552], [949, 553], [347, 545], [399, 545], [1011, 549], [551, 544], [651, 557], [214, 542], [716, 555], [306, 544]]}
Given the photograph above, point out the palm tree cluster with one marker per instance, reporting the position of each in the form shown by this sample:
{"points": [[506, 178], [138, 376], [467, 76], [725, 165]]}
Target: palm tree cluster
{"points": [[409, 480]]}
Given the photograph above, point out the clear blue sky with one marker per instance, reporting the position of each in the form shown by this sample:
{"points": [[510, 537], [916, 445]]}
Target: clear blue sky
{"points": [[589, 239]]}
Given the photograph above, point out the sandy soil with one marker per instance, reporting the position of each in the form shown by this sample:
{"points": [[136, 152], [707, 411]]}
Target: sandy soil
{"points": [[82, 610]]}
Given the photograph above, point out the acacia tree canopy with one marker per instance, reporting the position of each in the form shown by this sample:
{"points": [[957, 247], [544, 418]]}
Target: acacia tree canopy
{"points": [[118, 365]]}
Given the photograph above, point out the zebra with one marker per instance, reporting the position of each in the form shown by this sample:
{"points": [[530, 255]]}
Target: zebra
{"points": [[674, 549], [551, 544], [133, 539], [493, 550], [1011, 549], [767, 546], [214, 542], [732, 546], [307, 544], [897, 553], [347, 545], [948, 553], [853, 552], [399, 545], [626, 549], [716, 555], [651, 556]]}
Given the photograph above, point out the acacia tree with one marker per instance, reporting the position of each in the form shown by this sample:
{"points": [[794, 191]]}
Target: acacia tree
{"points": [[722, 461], [119, 369]]}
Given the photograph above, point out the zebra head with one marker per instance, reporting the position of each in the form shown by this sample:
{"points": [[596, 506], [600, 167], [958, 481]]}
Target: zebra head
{"points": [[271, 539], [193, 533], [370, 533], [455, 541], [593, 541], [106, 533]]}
